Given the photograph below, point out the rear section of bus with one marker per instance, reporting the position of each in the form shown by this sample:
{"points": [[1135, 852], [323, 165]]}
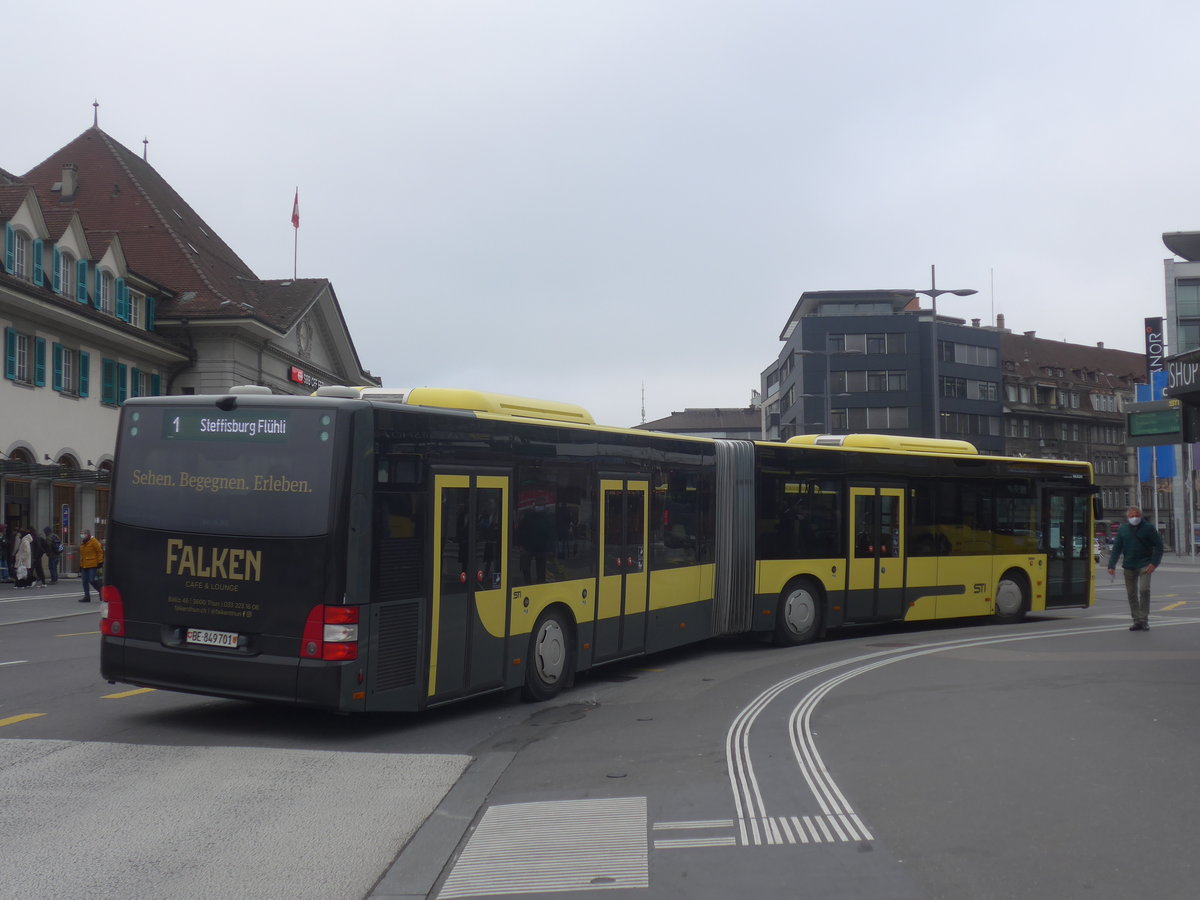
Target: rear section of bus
{"points": [[227, 550]]}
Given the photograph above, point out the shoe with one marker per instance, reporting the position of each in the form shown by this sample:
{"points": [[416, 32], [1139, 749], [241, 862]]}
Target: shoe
{"points": [[85, 600], [1145, 626], [1136, 626]]}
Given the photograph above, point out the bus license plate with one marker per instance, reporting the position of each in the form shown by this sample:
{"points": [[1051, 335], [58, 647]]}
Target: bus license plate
{"points": [[211, 638]]}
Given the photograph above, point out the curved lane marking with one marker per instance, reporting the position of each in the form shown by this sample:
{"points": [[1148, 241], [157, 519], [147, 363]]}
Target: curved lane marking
{"points": [[755, 824]]}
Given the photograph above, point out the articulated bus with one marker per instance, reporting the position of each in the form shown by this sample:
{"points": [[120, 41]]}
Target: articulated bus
{"points": [[362, 550]]}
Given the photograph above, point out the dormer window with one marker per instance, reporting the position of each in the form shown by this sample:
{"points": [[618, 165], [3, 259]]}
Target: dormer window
{"points": [[66, 274], [21, 255], [104, 298], [137, 306]]}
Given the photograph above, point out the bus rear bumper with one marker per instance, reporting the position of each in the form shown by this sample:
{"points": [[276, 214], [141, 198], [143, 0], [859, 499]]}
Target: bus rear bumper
{"points": [[262, 678]]}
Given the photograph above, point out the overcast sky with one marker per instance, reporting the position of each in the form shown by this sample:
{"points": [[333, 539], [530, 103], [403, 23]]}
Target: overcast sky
{"points": [[569, 200]]}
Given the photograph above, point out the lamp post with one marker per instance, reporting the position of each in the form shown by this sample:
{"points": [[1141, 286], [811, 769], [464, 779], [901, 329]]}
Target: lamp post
{"points": [[933, 293], [828, 396]]}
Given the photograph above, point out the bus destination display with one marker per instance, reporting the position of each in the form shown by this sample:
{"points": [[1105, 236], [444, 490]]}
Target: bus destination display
{"points": [[205, 425]]}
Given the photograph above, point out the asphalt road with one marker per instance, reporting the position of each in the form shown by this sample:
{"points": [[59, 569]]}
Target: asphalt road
{"points": [[1048, 759]]}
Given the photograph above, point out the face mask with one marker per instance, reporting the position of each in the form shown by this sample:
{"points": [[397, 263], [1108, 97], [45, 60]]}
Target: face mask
{"points": [[1134, 520]]}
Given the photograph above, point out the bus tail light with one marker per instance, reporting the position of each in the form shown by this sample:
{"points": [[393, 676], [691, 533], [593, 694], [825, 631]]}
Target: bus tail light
{"points": [[330, 633], [112, 612]]}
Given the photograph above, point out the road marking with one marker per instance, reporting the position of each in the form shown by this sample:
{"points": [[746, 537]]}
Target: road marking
{"points": [[563, 845], [755, 826], [13, 720], [124, 694], [77, 633], [13, 662], [1175, 605]]}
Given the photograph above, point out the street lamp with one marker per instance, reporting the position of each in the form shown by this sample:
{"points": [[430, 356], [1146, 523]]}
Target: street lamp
{"points": [[933, 293], [828, 397]]}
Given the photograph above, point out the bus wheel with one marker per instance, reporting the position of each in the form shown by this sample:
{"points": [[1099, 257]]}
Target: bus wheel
{"points": [[551, 657], [798, 619], [1012, 598]]}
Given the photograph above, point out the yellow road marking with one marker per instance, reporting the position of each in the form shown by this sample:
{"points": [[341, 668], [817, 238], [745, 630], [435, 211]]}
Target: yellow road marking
{"points": [[1175, 605], [76, 633], [13, 720], [123, 694]]}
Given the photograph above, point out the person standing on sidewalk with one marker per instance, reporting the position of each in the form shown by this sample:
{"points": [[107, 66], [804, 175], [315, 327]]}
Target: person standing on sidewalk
{"points": [[1139, 542], [91, 555], [54, 549]]}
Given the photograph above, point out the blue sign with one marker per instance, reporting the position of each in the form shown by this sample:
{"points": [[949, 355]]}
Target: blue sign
{"points": [[1164, 460]]}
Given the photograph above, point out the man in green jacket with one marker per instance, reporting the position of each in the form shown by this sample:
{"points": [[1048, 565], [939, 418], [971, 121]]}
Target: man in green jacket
{"points": [[1139, 542]]}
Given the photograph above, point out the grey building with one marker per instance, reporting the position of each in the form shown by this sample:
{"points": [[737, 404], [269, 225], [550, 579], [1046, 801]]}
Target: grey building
{"points": [[863, 361]]}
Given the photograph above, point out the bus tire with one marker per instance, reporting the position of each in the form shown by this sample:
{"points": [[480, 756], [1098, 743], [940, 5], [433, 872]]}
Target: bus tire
{"points": [[1012, 597], [798, 618], [550, 662]]}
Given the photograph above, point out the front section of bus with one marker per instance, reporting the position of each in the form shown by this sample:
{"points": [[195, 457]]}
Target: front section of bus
{"points": [[227, 550]]}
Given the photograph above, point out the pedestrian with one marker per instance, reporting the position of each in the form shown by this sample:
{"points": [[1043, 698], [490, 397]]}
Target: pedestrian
{"points": [[54, 550], [1139, 542], [91, 556], [22, 560], [38, 549], [4, 552]]}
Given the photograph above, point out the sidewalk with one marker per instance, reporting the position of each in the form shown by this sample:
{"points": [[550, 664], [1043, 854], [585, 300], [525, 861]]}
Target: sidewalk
{"points": [[55, 601]]}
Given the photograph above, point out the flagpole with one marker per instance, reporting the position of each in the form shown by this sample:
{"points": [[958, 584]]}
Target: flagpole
{"points": [[296, 229]]}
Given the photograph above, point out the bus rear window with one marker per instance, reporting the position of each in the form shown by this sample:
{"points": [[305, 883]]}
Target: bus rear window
{"points": [[253, 470]]}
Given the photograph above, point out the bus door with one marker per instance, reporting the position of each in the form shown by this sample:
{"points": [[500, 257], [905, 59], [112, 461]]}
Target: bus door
{"points": [[875, 589], [468, 617], [624, 583], [1067, 543]]}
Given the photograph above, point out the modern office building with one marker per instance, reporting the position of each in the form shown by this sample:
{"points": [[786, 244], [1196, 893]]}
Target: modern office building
{"points": [[855, 361]]}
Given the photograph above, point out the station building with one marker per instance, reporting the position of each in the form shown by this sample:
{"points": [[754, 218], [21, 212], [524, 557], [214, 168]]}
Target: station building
{"points": [[113, 286]]}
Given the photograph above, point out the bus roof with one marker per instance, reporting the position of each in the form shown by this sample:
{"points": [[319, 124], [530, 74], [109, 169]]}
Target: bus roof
{"points": [[897, 443]]}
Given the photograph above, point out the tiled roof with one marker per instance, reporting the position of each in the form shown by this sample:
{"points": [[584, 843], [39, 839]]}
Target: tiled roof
{"points": [[163, 238], [11, 197], [709, 419], [1032, 354]]}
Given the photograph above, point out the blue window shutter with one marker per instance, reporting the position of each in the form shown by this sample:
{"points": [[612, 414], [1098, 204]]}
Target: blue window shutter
{"points": [[122, 389], [58, 385], [10, 248], [37, 262], [108, 381], [150, 314], [155, 386], [133, 382], [39, 362], [85, 372], [96, 293], [81, 281], [10, 353], [57, 285], [122, 302]]}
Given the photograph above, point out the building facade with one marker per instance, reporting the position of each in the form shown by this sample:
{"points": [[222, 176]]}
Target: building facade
{"points": [[863, 361], [113, 287], [1069, 401]]}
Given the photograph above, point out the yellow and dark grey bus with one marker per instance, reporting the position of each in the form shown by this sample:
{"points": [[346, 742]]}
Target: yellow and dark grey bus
{"points": [[373, 550]]}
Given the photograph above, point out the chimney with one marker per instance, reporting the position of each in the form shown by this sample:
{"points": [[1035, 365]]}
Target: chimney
{"points": [[974, 323], [70, 181], [1100, 344], [1031, 334], [1000, 321]]}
